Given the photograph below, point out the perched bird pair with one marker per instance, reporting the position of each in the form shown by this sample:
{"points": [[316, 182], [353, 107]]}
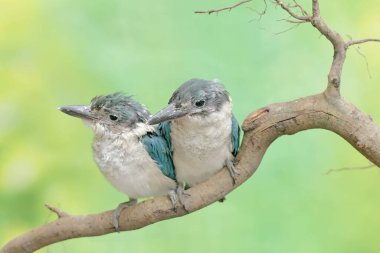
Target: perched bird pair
{"points": [[196, 137]]}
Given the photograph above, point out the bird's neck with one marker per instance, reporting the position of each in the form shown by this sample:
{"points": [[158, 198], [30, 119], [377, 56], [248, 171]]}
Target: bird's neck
{"points": [[119, 145], [103, 133]]}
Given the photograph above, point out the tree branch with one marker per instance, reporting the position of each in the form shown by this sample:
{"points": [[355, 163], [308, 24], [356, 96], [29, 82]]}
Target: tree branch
{"points": [[355, 42], [334, 37], [339, 45], [57, 211], [350, 168], [327, 110], [315, 7], [303, 11], [229, 8], [261, 128], [289, 10]]}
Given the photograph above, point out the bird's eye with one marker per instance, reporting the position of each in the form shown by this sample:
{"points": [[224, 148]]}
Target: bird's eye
{"points": [[200, 103], [113, 117]]}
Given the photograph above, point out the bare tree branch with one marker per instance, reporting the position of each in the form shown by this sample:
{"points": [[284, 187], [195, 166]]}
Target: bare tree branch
{"points": [[327, 111], [296, 24], [300, 8], [259, 13], [365, 60], [57, 211], [289, 10], [355, 42], [295, 21], [351, 168], [315, 4], [334, 37], [292, 21], [338, 43], [340, 46], [229, 8]]}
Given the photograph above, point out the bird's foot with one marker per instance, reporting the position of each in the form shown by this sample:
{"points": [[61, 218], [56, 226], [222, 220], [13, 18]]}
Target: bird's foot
{"points": [[233, 172], [173, 198], [182, 195], [117, 212]]}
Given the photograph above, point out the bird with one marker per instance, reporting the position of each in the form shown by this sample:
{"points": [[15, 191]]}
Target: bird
{"points": [[130, 154], [201, 131]]}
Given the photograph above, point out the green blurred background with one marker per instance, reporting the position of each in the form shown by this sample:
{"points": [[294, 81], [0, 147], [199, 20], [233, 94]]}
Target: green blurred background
{"points": [[58, 52]]}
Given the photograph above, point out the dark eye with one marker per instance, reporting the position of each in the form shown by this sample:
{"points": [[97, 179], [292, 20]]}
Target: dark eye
{"points": [[200, 103], [113, 117]]}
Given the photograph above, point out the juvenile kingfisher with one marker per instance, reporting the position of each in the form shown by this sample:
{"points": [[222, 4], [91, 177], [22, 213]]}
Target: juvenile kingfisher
{"points": [[201, 130], [134, 158]]}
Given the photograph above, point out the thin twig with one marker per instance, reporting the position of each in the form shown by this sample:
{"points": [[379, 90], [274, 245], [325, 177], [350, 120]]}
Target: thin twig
{"points": [[350, 168], [293, 21], [303, 11], [356, 42], [57, 211], [366, 61], [288, 9], [229, 8], [260, 14], [289, 29]]}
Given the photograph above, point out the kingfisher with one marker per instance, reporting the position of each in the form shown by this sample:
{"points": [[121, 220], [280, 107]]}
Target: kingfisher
{"points": [[200, 129], [131, 154]]}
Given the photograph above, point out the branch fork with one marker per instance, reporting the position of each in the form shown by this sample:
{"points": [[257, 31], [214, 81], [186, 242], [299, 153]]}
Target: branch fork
{"points": [[57, 211]]}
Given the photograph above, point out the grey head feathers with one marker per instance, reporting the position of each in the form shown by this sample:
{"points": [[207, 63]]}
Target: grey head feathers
{"points": [[195, 98], [119, 108], [201, 93], [196, 90]]}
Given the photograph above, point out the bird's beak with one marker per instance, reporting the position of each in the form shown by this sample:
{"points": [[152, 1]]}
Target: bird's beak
{"points": [[168, 113], [79, 111]]}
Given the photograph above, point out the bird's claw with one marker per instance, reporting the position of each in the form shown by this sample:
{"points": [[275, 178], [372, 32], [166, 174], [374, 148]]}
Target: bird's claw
{"points": [[233, 172], [117, 212], [173, 198], [182, 195]]}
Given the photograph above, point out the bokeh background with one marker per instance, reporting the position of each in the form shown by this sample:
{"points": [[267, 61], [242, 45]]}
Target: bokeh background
{"points": [[59, 52]]}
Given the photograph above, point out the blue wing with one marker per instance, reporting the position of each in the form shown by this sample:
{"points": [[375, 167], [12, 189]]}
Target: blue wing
{"points": [[164, 130], [159, 151], [235, 135]]}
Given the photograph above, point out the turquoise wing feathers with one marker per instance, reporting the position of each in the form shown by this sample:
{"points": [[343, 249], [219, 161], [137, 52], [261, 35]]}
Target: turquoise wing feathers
{"points": [[235, 135], [160, 152], [164, 129]]}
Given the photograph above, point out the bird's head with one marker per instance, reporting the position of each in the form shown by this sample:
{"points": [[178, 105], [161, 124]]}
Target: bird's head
{"points": [[196, 97], [111, 112]]}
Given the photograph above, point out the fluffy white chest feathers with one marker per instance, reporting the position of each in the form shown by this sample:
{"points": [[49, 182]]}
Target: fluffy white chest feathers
{"points": [[123, 160], [201, 145]]}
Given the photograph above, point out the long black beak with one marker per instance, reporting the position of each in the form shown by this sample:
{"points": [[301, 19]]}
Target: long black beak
{"points": [[168, 113], [79, 111]]}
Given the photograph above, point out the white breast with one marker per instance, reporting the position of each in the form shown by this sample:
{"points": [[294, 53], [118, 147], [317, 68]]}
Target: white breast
{"points": [[201, 145], [123, 160]]}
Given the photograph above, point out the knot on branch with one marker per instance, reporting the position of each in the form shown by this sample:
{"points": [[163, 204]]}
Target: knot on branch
{"points": [[249, 122], [335, 81]]}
